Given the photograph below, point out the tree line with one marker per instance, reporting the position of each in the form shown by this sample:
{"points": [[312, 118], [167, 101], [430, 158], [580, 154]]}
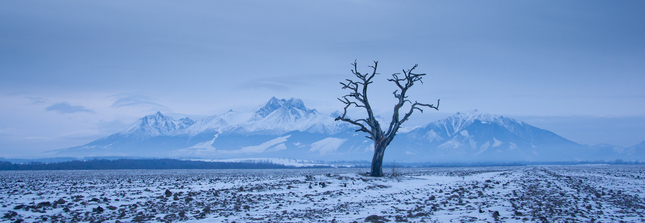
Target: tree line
{"points": [[103, 164]]}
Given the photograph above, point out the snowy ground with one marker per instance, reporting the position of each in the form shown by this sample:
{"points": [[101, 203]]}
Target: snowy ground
{"points": [[509, 194]]}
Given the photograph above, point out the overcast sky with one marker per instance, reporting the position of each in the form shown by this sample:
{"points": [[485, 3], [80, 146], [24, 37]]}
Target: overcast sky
{"points": [[74, 71]]}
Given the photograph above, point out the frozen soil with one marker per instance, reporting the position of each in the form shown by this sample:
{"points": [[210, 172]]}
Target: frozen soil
{"points": [[507, 194]]}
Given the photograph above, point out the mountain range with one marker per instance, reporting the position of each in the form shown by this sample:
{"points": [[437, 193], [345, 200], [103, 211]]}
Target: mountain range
{"points": [[288, 129]]}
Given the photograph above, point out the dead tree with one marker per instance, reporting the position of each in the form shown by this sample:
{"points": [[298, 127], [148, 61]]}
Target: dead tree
{"points": [[358, 97]]}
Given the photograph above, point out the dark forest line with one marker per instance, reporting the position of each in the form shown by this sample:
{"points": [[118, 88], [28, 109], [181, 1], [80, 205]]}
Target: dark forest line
{"points": [[117, 164], [103, 164]]}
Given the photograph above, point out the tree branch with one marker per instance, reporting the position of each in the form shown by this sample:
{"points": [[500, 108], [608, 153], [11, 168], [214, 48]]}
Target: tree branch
{"points": [[415, 106], [348, 103], [404, 84], [358, 94]]}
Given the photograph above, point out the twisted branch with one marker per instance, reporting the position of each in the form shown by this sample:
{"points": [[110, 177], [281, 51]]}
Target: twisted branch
{"points": [[358, 98], [405, 83]]}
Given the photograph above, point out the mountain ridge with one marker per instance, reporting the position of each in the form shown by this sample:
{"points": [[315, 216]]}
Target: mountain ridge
{"points": [[155, 125], [288, 129]]}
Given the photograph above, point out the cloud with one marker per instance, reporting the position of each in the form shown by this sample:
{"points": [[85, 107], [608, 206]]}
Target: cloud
{"points": [[36, 100], [64, 107], [135, 101], [283, 84]]}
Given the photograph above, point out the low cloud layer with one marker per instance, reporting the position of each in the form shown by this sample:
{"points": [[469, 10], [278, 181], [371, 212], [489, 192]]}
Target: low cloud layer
{"points": [[64, 107], [135, 100]]}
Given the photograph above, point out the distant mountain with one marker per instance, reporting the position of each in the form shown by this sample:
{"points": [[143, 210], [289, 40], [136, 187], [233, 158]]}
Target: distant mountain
{"points": [[288, 129], [612, 152], [473, 136], [155, 125], [238, 134], [276, 117], [638, 148], [134, 140]]}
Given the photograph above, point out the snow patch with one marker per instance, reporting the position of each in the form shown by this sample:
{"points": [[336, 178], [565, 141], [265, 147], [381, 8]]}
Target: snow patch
{"points": [[208, 145], [512, 146], [483, 148], [370, 148], [451, 144], [496, 142], [433, 136], [279, 147], [327, 145], [403, 130], [264, 146]]}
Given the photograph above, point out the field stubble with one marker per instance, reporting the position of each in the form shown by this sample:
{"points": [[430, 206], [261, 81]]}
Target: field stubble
{"points": [[507, 194]]}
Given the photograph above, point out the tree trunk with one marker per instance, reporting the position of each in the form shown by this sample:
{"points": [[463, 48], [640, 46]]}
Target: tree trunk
{"points": [[377, 160]]}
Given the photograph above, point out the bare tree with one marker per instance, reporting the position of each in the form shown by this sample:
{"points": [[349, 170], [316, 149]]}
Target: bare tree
{"points": [[358, 97]]}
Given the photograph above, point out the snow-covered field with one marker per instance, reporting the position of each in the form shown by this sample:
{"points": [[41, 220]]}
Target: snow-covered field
{"points": [[279, 161], [533, 193]]}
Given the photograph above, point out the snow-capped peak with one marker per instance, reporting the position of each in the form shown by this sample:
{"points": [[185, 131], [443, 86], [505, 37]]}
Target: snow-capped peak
{"points": [[218, 123], [187, 121], [280, 115], [459, 121], [274, 104], [277, 116], [473, 114], [154, 125]]}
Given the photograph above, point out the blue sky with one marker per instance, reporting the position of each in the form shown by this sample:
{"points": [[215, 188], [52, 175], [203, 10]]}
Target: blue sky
{"points": [[75, 71]]}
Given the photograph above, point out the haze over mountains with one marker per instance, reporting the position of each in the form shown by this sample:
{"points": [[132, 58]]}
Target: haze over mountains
{"points": [[288, 129]]}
